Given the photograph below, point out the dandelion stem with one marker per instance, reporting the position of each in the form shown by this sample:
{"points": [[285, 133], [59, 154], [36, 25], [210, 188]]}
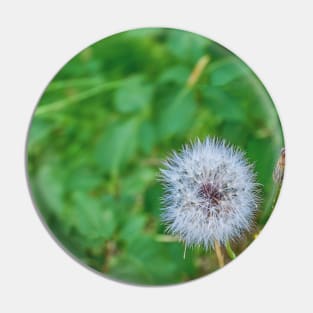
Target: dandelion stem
{"points": [[219, 254], [229, 250]]}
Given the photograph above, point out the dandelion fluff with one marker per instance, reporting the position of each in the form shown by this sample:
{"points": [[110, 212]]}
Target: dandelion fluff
{"points": [[210, 193]]}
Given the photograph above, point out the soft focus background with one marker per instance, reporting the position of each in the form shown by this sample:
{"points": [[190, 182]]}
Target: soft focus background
{"points": [[106, 121]]}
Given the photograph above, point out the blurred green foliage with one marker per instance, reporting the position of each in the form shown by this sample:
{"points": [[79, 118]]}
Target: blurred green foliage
{"points": [[107, 119]]}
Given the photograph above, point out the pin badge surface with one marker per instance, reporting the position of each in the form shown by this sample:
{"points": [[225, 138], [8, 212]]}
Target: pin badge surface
{"points": [[155, 156]]}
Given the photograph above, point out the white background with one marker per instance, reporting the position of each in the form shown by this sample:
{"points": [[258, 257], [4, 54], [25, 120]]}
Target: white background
{"points": [[274, 38]]}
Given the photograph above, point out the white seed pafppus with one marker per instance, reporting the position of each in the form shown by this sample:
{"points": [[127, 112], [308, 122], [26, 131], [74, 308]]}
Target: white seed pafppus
{"points": [[210, 193]]}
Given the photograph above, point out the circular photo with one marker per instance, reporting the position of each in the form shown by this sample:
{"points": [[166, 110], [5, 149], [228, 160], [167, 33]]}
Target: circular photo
{"points": [[155, 157]]}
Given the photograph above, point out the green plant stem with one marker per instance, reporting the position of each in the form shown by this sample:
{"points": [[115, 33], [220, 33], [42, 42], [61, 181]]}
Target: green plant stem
{"points": [[58, 105], [77, 82], [229, 250]]}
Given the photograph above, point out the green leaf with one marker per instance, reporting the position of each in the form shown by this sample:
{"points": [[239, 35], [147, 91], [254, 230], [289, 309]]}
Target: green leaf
{"points": [[133, 95], [147, 137], [235, 133], [38, 132], [177, 74], [177, 115], [82, 178], [50, 184], [133, 227], [91, 217], [137, 181], [223, 105], [152, 199], [117, 146], [261, 152], [163, 262], [225, 71], [187, 46], [129, 268]]}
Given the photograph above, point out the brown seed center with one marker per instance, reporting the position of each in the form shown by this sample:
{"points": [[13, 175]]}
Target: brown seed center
{"points": [[210, 192]]}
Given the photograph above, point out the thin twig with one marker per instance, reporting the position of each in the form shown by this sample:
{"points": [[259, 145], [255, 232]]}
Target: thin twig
{"points": [[166, 238], [197, 71]]}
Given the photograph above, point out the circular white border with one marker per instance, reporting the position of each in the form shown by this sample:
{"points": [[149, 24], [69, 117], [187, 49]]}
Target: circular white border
{"points": [[274, 39]]}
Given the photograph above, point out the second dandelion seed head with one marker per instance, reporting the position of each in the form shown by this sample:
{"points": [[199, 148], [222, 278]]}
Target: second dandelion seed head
{"points": [[210, 193]]}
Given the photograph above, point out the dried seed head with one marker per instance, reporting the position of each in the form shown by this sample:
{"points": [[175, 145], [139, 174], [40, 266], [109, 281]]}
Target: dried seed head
{"points": [[210, 193], [278, 173]]}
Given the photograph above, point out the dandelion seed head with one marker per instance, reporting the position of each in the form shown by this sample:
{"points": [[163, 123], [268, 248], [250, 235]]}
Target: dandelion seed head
{"points": [[210, 193]]}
